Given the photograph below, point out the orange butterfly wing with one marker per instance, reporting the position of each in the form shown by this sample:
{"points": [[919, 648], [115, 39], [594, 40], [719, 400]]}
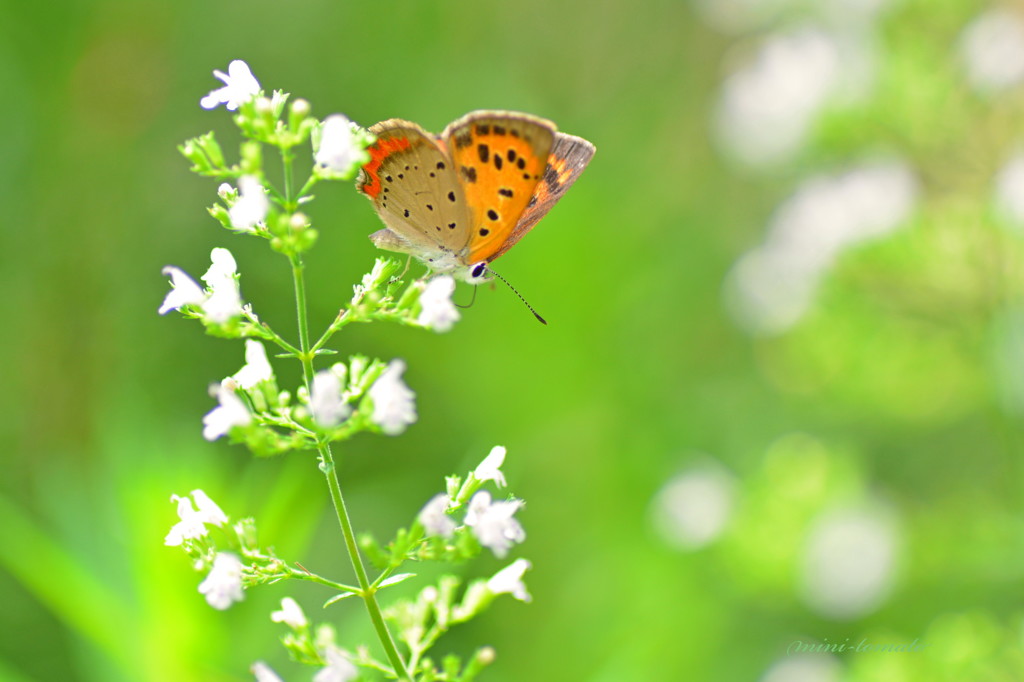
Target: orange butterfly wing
{"points": [[500, 158], [569, 156]]}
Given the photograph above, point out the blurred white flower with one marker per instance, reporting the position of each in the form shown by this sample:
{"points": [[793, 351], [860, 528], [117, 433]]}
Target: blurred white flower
{"points": [[257, 368], [693, 508], [250, 209], [509, 580], [184, 291], [1009, 191], [849, 562], [239, 86], [231, 412], [773, 285], [290, 614], [767, 107], [339, 149], [492, 523], [325, 400], [339, 667], [193, 522], [490, 468], [805, 668], [393, 406], [992, 48], [434, 519], [437, 310], [223, 586], [264, 673]]}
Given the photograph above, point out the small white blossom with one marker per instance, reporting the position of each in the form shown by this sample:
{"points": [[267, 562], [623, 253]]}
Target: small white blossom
{"points": [[393, 406], [193, 523], [225, 190], [220, 302], [509, 580], [252, 205], [370, 280], [223, 586], [239, 86], [231, 412], [489, 469], [184, 291], [290, 614], [264, 673], [437, 311], [225, 299], [339, 668], [339, 149], [257, 368], [434, 518], [325, 400], [492, 523]]}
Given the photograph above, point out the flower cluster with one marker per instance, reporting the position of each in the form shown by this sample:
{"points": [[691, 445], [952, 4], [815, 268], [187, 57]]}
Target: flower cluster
{"points": [[353, 395]]}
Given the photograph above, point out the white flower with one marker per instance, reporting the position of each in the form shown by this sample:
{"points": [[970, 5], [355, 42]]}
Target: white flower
{"points": [[231, 412], [438, 312], [193, 523], [509, 580], [223, 585], [290, 614], [489, 469], [492, 523], [992, 48], [325, 401], [184, 291], [257, 368], [393, 406], [434, 518], [338, 150], [239, 86], [264, 673], [370, 280], [251, 206], [225, 300], [339, 668], [220, 302]]}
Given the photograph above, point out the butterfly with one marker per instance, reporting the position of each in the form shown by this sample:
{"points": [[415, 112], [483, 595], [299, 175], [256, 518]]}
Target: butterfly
{"points": [[458, 200]]}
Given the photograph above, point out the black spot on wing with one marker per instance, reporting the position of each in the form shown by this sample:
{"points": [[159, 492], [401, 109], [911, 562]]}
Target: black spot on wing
{"points": [[505, 192], [469, 173], [492, 214], [483, 151], [497, 161]]}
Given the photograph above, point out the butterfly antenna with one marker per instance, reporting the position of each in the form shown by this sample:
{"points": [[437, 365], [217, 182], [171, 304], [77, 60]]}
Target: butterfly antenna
{"points": [[525, 302]]}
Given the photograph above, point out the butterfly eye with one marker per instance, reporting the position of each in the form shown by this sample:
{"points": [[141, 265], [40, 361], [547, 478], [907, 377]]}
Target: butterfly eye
{"points": [[477, 270]]}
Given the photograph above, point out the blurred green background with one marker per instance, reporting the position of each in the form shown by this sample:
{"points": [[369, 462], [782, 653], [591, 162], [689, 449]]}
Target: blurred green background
{"points": [[779, 399]]}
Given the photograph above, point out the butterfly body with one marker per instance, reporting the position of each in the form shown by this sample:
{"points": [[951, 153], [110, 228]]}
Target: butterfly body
{"points": [[458, 200]]}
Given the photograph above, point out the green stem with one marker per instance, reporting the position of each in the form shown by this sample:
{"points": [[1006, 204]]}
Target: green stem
{"points": [[286, 160], [367, 591]]}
